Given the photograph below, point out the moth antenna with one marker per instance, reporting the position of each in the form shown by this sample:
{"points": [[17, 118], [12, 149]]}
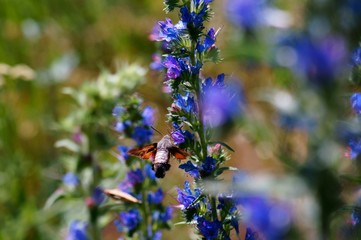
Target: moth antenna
{"points": [[156, 130]]}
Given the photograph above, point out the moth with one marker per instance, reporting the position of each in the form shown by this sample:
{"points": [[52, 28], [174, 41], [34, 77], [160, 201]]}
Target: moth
{"points": [[159, 153], [116, 194]]}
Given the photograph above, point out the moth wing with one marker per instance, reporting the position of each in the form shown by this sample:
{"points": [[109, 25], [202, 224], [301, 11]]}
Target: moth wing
{"points": [[116, 194], [145, 152], [178, 153]]}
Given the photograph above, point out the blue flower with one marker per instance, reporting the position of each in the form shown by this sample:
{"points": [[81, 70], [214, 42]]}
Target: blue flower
{"points": [[356, 102], [186, 102], [246, 13], [209, 164], [208, 229], [221, 103], [98, 195], [157, 63], [271, 219], [157, 235], [162, 216], [317, 61], [173, 67], [122, 126], [123, 150], [209, 41], [117, 110], [142, 135], [156, 198], [186, 197], [149, 172], [355, 148], [251, 235], [190, 168], [77, 231], [295, 121], [356, 57], [166, 215], [148, 116], [166, 31], [70, 180], [192, 18], [130, 219]]}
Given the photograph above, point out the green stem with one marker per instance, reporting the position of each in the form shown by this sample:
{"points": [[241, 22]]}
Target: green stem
{"points": [[145, 214], [197, 83]]}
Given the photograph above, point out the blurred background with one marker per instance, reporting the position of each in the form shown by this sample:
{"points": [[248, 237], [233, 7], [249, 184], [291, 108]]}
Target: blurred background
{"points": [[46, 45]]}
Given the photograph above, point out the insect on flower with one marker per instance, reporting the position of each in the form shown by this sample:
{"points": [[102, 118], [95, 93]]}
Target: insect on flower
{"points": [[159, 153]]}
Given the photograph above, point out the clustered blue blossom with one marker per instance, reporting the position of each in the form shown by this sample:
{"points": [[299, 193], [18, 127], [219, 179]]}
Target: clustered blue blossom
{"points": [[71, 179], [204, 170], [186, 197], [147, 218], [77, 231], [354, 140]]}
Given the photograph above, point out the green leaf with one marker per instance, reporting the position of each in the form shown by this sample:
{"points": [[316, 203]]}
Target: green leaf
{"points": [[351, 178], [170, 5], [213, 56], [219, 171], [68, 144], [185, 223], [58, 194], [223, 144]]}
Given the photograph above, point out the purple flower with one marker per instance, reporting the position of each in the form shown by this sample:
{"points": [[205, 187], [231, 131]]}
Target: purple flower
{"points": [[173, 67], [178, 137], [221, 103], [186, 102], [133, 178], [246, 13], [186, 197], [356, 102], [208, 229], [142, 135], [148, 116], [130, 219], [77, 231], [190, 168], [356, 57], [166, 31], [70, 180], [156, 197]]}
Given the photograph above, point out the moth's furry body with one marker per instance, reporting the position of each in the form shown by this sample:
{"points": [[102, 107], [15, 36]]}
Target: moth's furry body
{"points": [[160, 154]]}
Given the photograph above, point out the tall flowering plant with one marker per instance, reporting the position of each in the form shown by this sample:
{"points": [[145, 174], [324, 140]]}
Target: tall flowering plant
{"points": [[199, 105], [144, 216]]}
